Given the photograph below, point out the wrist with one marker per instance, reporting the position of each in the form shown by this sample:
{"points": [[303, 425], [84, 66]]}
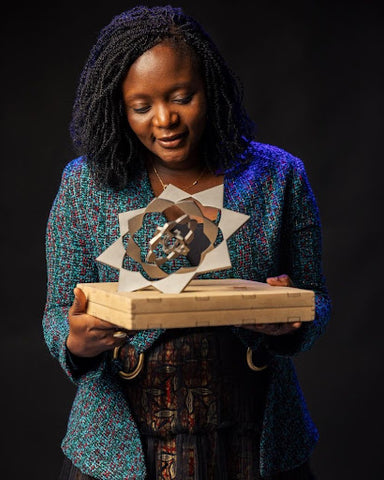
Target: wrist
{"points": [[78, 349]]}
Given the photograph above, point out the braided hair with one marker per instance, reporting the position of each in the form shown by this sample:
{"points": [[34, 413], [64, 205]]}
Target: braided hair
{"points": [[99, 127]]}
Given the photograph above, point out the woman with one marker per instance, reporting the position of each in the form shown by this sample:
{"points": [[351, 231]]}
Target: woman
{"points": [[156, 105]]}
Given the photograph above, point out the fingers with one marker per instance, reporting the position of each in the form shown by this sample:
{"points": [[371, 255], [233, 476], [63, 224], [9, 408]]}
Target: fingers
{"points": [[280, 281], [107, 339], [98, 324], [85, 341], [274, 328], [281, 328], [88, 335]]}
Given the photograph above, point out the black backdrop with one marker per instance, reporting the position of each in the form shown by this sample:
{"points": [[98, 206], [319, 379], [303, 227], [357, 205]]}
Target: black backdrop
{"points": [[313, 78]]}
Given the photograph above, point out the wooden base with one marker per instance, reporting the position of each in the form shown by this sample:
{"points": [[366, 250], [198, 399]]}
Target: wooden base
{"points": [[202, 303]]}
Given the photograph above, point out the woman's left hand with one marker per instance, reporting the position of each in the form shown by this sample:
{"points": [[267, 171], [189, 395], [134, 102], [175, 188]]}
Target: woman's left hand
{"points": [[276, 328]]}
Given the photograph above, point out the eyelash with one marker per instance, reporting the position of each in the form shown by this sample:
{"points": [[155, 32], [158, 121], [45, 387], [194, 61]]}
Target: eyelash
{"points": [[184, 100], [141, 110], [180, 101]]}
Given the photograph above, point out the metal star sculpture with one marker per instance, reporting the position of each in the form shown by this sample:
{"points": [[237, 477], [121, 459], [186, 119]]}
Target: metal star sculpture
{"points": [[168, 243]]}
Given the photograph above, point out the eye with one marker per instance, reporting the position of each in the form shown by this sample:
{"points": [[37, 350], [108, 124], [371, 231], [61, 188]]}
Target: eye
{"points": [[183, 100], [141, 110]]}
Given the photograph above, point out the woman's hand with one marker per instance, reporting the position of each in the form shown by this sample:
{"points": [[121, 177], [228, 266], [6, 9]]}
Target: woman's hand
{"points": [[276, 328], [89, 336]]}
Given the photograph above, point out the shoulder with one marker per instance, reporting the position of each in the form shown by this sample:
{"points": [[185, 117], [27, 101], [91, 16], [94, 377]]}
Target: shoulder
{"points": [[77, 187], [77, 168], [77, 178], [270, 157], [264, 163]]}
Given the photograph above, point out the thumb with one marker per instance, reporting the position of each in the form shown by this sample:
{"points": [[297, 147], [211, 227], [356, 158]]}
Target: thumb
{"points": [[79, 303]]}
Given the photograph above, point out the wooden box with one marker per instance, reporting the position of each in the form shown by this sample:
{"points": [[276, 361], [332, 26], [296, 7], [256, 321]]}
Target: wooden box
{"points": [[202, 303]]}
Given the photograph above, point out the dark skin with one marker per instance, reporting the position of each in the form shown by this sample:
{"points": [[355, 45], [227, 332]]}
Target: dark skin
{"points": [[166, 108]]}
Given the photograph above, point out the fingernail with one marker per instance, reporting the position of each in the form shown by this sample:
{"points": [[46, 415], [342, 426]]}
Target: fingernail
{"points": [[120, 334]]}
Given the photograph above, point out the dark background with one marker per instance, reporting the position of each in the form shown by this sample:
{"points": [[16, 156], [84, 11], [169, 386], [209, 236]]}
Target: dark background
{"points": [[313, 79]]}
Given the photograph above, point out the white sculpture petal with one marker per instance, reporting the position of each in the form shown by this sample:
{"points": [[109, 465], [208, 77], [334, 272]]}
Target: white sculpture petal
{"points": [[174, 283], [113, 255], [212, 197], [131, 281], [125, 216], [231, 221], [216, 259], [173, 194]]}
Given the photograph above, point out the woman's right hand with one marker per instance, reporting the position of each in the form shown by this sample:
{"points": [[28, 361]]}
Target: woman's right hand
{"points": [[89, 336]]}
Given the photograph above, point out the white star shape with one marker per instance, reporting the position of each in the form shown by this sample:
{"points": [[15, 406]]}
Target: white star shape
{"points": [[213, 259]]}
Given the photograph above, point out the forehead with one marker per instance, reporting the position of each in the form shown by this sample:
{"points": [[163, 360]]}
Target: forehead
{"points": [[162, 66]]}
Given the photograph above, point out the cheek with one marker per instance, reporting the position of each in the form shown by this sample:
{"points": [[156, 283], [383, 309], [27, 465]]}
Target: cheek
{"points": [[199, 121], [203, 113], [137, 126]]}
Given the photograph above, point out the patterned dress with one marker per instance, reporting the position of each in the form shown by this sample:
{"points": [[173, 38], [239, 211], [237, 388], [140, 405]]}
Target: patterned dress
{"points": [[198, 408]]}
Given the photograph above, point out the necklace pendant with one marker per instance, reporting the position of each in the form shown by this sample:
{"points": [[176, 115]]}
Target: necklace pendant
{"points": [[195, 183]]}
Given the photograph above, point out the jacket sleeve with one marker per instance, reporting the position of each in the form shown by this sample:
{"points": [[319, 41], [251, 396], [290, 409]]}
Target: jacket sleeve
{"points": [[68, 262], [301, 258], [301, 251]]}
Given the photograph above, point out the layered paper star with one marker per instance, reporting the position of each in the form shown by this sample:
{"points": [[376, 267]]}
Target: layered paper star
{"points": [[172, 242]]}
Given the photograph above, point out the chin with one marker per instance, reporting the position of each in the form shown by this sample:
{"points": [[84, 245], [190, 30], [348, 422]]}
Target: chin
{"points": [[174, 159]]}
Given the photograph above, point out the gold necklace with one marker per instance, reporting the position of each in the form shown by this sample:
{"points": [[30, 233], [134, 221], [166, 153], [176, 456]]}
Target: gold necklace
{"points": [[165, 185]]}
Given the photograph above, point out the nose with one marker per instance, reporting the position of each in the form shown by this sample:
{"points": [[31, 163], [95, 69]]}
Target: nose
{"points": [[165, 116]]}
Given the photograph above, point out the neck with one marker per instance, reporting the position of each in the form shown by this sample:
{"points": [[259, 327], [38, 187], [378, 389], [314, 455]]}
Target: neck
{"points": [[165, 170], [188, 177]]}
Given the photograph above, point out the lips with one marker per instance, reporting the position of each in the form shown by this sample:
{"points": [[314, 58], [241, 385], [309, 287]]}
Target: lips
{"points": [[172, 141]]}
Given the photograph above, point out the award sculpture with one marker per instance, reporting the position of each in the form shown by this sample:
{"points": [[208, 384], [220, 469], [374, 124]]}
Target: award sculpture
{"points": [[172, 300], [172, 242]]}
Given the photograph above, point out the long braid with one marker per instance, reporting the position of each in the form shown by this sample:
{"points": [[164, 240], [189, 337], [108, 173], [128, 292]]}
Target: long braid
{"points": [[99, 127]]}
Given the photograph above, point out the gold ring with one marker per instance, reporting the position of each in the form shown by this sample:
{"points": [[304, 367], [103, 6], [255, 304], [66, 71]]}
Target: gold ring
{"points": [[135, 372], [250, 363]]}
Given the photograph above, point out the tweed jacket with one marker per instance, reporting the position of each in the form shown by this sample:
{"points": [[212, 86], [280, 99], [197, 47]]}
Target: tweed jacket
{"points": [[282, 236]]}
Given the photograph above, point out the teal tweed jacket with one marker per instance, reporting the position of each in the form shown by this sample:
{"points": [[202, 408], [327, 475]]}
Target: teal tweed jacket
{"points": [[282, 236]]}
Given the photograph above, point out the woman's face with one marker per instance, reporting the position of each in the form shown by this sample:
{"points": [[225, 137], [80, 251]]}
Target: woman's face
{"points": [[165, 103]]}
